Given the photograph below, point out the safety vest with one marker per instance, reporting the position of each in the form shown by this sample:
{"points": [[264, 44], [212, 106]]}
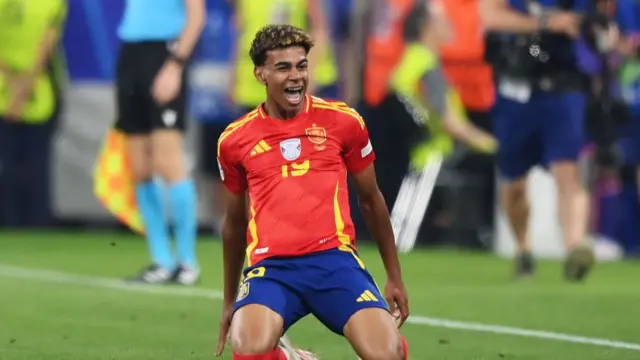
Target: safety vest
{"points": [[463, 56], [23, 23], [252, 16], [406, 82], [384, 47]]}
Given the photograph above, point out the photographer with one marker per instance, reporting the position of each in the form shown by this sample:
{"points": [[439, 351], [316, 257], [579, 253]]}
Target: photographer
{"points": [[539, 115]]}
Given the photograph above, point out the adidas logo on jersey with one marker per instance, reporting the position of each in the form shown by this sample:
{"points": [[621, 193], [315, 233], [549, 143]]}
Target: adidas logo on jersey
{"points": [[261, 147], [367, 296]]}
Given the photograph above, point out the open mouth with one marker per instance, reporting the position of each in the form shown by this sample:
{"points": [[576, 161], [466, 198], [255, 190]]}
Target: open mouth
{"points": [[294, 94]]}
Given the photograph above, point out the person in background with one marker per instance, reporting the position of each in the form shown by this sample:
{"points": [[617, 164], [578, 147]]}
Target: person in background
{"points": [[158, 37], [462, 56], [251, 16], [383, 45], [539, 119], [30, 98], [210, 105]]}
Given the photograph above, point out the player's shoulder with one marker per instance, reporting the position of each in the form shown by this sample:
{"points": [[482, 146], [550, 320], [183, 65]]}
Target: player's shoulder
{"points": [[341, 111], [236, 128]]}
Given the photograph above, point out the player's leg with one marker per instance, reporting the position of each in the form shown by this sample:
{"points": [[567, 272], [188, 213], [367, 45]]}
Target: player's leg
{"points": [[564, 137], [264, 310], [349, 303], [168, 124], [515, 127], [134, 120]]}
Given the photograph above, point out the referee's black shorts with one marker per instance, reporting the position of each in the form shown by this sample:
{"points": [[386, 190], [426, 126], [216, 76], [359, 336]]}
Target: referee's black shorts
{"points": [[137, 111]]}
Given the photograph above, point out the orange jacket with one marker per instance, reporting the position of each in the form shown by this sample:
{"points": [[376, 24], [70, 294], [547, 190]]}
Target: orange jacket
{"points": [[462, 57], [384, 47]]}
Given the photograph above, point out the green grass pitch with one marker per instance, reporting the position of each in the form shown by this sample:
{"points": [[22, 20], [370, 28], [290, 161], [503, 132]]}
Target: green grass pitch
{"points": [[61, 299]]}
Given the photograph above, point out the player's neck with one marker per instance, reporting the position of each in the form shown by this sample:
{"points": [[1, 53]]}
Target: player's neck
{"points": [[276, 112]]}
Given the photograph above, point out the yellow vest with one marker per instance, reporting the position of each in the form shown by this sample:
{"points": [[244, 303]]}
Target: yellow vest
{"points": [[23, 24], [416, 61], [252, 16]]}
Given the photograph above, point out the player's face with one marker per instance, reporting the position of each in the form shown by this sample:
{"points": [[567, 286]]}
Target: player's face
{"points": [[286, 77]]}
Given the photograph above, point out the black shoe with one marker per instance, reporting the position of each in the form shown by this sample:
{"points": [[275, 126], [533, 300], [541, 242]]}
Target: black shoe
{"points": [[184, 275], [579, 262], [525, 265], [153, 274]]}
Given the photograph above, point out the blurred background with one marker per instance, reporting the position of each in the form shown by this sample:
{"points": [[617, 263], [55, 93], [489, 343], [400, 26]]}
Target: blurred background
{"points": [[57, 239], [462, 210]]}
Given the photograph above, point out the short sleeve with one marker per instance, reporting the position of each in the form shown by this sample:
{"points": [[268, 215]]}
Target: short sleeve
{"points": [[232, 174], [358, 152]]}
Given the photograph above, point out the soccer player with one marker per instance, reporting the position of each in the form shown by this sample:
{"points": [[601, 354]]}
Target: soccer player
{"points": [[290, 157], [158, 38]]}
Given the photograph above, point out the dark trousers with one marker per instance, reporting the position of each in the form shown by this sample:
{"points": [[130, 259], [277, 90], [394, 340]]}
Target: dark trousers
{"points": [[25, 174]]}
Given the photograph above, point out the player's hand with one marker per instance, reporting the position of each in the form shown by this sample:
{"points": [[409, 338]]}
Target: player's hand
{"points": [[225, 324], [167, 83], [398, 300]]}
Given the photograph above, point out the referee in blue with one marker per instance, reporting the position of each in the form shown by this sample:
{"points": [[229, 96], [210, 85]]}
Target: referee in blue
{"points": [[158, 37]]}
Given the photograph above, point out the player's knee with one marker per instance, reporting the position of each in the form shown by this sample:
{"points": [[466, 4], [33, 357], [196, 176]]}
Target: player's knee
{"points": [[255, 329], [393, 349], [248, 342]]}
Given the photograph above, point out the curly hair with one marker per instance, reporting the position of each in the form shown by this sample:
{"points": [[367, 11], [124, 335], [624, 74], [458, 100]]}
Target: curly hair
{"points": [[272, 37]]}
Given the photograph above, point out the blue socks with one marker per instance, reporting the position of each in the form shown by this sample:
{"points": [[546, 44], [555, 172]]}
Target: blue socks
{"points": [[150, 205], [183, 204]]}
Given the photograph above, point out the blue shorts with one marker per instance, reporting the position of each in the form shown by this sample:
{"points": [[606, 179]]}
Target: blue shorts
{"points": [[332, 285], [548, 128]]}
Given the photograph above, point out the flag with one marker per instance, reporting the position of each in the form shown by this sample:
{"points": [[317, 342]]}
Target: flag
{"points": [[113, 184]]}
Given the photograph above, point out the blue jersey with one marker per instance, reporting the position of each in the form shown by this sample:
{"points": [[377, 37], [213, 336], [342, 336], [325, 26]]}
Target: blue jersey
{"points": [[152, 20]]}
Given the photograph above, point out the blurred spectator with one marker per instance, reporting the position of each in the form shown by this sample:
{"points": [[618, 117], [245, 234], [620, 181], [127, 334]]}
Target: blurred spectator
{"points": [[251, 15], [383, 47], [211, 105], [30, 91], [463, 63], [539, 116], [418, 84]]}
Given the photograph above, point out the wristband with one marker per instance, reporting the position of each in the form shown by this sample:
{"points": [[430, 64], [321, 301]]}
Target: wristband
{"points": [[177, 59]]}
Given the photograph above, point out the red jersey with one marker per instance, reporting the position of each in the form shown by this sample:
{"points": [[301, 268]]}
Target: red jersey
{"points": [[296, 174]]}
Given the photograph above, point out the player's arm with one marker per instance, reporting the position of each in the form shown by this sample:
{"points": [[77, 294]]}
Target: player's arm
{"points": [[376, 215], [196, 18], [235, 224], [359, 157], [234, 242], [443, 100]]}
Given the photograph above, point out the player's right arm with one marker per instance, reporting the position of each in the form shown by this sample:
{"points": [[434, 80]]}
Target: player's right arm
{"points": [[235, 224]]}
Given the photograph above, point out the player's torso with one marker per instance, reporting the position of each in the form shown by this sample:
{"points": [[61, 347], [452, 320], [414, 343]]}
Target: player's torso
{"points": [[297, 183]]}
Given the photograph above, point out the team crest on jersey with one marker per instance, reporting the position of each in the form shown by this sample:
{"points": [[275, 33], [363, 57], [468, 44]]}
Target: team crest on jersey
{"points": [[316, 134], [243, 291], [291, 149]]}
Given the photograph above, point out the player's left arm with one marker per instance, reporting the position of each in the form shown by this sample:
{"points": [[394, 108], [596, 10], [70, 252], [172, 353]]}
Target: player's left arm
{"points": [[359, 157]]}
